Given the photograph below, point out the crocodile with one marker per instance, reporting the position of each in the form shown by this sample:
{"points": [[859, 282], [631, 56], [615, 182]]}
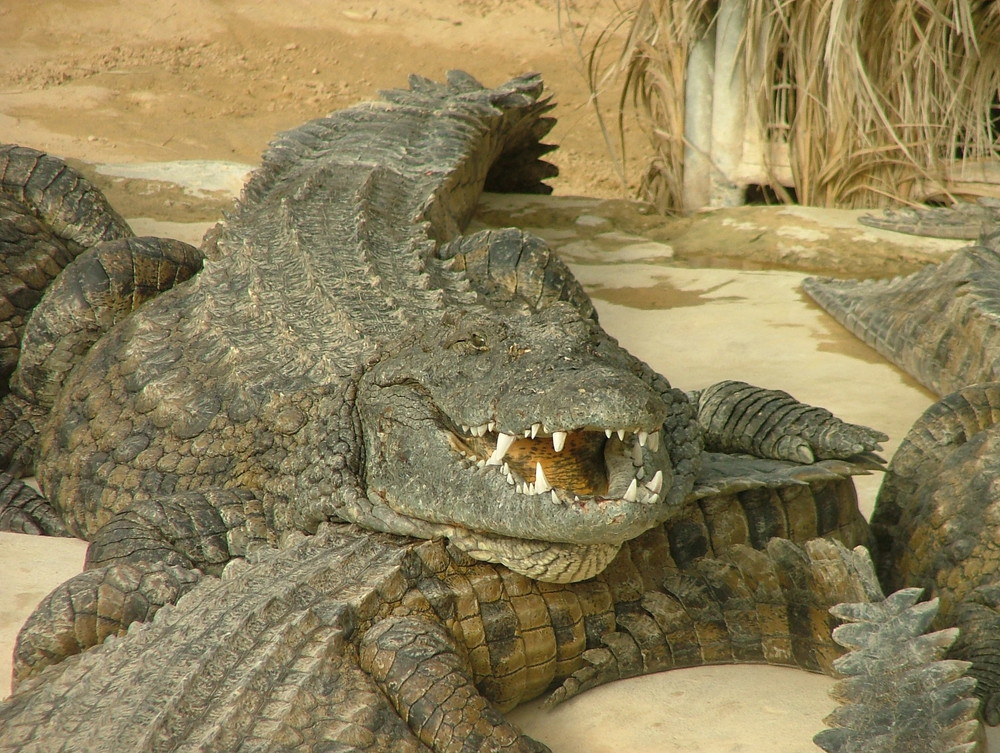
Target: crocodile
{"points": [[938, 324], [339, 358], [360, 641], [934, 516]]}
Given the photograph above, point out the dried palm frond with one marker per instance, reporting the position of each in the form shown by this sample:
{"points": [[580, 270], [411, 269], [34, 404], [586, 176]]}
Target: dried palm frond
{"points": [[875, 99]]}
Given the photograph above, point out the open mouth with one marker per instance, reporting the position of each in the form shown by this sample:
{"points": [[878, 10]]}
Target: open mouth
{"points": [[567, 467]]}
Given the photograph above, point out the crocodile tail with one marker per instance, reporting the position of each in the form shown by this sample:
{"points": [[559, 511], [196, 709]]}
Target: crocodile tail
{"points": [[898, 692], [517, 166], [49, 213], [935, 521], [482, 137], [751, 606], [963, 221], [938, 324]]}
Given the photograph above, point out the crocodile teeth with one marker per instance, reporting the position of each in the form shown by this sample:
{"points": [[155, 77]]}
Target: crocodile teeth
{"points": [[504, 441], [621, 435], [656, 485], [654, 441], [643, 436], [608, 433], [555, 498], [542, 484], [636, 455], [632, 492], [535, 428], [558, 440], [491, 425]]}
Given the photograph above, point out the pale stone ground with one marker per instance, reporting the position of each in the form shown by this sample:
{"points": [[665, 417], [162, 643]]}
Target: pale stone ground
{"points": [[696, 325]]}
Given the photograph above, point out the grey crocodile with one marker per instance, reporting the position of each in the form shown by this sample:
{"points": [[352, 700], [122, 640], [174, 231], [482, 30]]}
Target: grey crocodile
{"points": [[345, 354], [937, 324], [935, 515], [961, 221]]}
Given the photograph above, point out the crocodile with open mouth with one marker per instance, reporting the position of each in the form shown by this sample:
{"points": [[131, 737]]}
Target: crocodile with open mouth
{"points": [[344, 353]]}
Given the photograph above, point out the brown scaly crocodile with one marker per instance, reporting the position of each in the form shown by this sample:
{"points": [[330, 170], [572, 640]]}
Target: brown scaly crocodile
{"points": [[936, 515], [344, 354]]}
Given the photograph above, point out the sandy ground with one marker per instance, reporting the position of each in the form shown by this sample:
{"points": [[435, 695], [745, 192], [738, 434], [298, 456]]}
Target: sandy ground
{"points": [[148, 80], [166, 103]]}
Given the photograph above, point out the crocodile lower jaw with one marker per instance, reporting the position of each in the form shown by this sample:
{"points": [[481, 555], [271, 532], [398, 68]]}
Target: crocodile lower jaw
{"points": [[547, 561]]}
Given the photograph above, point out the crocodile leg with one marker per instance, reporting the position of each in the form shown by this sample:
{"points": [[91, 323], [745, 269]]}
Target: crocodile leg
{"points": [[49, 213], [418, 666], [88, 608], [738, 417], [147, 556], [23, 510], [96, 290]]}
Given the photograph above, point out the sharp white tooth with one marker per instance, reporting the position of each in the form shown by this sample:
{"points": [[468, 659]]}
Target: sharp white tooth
{"points": [[654, 441], [504, 441], [632, 491], [519, 488], [527, 433], [636, 455], [529, 489], [656, 485], [480, 463], [621, 435], [465, 429], [555, 498], [558, 440], [643, 436], [535, 428], [511, 481], [491, 425], [640, 473], [483, 429], [542, 484]]}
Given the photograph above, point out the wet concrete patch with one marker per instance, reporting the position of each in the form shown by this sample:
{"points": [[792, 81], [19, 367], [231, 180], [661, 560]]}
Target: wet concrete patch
{"points": [[660, 295]]}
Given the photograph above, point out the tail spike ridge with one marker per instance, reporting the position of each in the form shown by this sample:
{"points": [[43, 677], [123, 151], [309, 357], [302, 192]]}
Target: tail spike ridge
{"points": [[898, 692], [461, 80]]}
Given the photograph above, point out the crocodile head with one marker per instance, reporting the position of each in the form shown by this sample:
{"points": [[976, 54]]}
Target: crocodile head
{"points": [[526, 437]]}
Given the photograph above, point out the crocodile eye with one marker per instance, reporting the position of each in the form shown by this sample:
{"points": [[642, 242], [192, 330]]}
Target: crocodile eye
{"points": [[468, 342]]}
